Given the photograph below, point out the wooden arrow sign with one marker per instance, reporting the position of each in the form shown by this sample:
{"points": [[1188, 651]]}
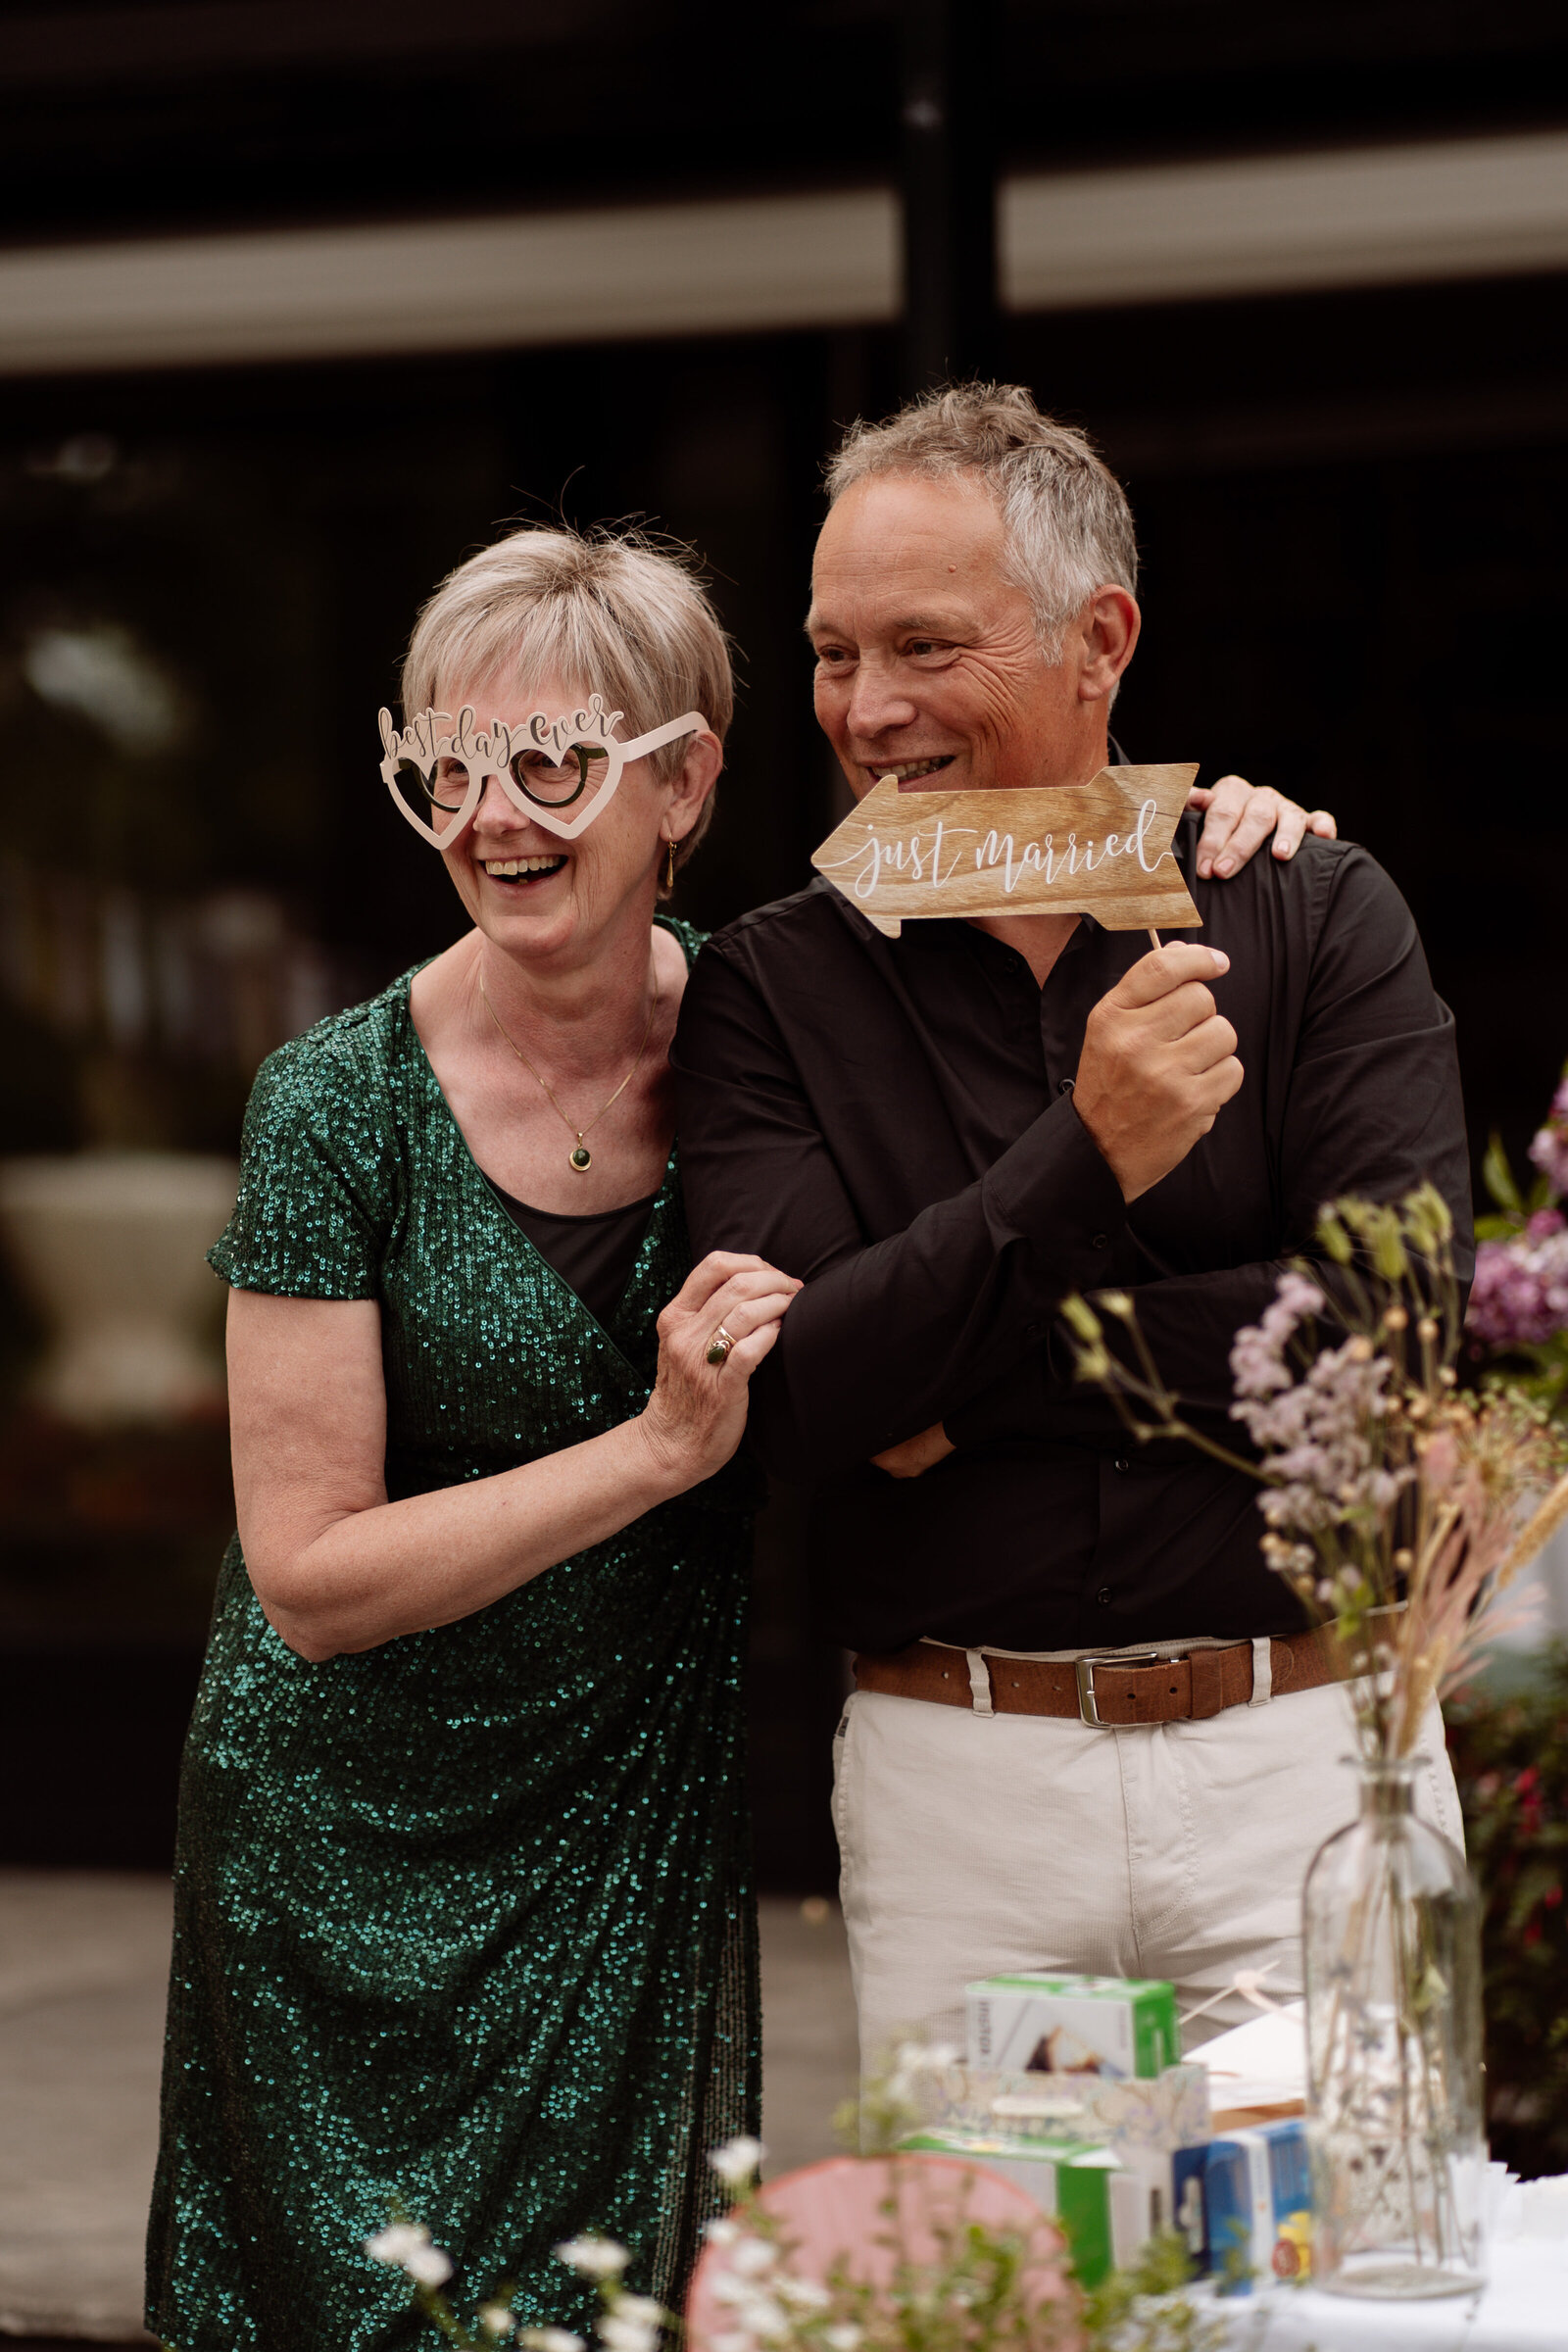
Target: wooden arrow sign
{"points": [[1100, 849]]}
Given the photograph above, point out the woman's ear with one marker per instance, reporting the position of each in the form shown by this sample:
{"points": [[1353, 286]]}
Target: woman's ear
{"points": [[693, 781]]}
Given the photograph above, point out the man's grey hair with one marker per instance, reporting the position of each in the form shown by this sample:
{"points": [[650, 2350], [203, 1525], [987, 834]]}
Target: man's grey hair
{"points": [[1068, 524]]}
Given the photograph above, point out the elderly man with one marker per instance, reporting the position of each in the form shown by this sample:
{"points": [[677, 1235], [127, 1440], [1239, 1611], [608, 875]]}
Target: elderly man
{"points": [[945, 1132]]}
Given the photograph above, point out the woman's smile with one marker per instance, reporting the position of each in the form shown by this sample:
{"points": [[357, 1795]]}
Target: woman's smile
{"points": [[515, 874]]}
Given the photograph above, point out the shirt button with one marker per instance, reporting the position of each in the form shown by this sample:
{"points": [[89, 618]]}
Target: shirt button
{"points": [[1098, 1240], [1104, 1596], [1120, 1463]]}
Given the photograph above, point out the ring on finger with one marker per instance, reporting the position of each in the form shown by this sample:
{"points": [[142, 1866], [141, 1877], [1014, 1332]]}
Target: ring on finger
{"points": [[720, 1345]]}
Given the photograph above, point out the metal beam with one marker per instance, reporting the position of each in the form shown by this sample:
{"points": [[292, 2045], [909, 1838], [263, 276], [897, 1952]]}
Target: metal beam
{"points": [[1146, 233]]}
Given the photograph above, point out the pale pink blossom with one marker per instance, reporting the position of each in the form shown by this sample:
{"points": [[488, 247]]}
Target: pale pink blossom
{"points": [[1549, 1148]]}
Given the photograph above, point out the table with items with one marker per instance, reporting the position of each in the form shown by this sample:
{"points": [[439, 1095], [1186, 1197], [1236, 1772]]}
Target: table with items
{"points": [[1074, 2090], [1523, 2307]]}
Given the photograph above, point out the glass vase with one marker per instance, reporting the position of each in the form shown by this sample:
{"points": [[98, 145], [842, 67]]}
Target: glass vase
{"points": [[1391, 1937]]}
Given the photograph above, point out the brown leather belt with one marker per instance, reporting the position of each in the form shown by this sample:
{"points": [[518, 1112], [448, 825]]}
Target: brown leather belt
{"points": [[1116, 1691]]}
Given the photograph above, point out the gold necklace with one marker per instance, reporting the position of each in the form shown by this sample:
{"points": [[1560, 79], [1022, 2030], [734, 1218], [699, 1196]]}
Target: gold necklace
{"points": [[579, 1159]]}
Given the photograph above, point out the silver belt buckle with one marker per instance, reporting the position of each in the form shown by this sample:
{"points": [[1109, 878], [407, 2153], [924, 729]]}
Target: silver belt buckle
{"points": [[1087, 1711]]}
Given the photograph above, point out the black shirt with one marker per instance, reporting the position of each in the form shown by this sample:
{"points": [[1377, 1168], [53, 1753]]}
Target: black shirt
{"points": [[891, 1120], [594, 1254]]}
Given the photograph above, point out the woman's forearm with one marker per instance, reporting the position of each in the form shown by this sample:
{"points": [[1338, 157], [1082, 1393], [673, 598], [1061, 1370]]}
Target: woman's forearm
{"points": [[393, 1568]]}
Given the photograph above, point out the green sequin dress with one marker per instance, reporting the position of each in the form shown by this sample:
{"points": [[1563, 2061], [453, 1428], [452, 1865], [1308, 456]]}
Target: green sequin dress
{"points": [[464, 1923]]}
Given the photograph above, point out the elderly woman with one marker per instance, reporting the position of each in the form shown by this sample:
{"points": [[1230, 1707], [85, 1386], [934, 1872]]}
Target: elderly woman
{"points": [[464, 1919]]}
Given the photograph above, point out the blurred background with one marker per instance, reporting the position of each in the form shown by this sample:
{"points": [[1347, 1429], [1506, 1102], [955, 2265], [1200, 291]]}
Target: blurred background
{"points": [[301, 300]]}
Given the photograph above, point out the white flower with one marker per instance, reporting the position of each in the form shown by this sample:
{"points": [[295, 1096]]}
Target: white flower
{"points": [[550, 2339], [427, 2266], [801, 2294], [721, 2232], [627, 2336], [593, 2257], [842, 2339], [732, 2340], [767, 2319], [394, 2244], [925, 2057], [753, 2308], [751, 2257], [737, 2160], [641, 2309], [496, 2319]]}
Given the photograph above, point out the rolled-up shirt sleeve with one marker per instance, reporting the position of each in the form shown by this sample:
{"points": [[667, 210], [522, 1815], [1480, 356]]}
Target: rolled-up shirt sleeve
{"points": [[890, 1331]]}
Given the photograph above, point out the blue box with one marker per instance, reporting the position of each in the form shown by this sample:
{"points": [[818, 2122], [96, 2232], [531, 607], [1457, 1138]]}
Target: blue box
{"points": [[1247, 2200]]}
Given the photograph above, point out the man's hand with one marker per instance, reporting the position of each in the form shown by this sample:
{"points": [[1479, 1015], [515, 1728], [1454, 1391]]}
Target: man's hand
{"points": [[1241, 816], [1158, 1065], [916, 1454]]}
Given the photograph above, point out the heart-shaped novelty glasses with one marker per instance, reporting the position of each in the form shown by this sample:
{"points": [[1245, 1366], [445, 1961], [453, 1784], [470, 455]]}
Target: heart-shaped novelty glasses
{"points": [[436, 770]]}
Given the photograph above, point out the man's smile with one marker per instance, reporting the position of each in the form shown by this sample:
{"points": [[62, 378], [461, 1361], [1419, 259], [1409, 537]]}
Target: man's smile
{"points": [[907, 770]]}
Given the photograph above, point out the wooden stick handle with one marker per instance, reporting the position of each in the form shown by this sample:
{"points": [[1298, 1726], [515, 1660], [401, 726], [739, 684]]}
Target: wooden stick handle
{"points": [[1154, 937]]}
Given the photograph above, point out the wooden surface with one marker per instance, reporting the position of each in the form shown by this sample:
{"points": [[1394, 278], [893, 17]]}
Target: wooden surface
{"points": [[1100, 849]]}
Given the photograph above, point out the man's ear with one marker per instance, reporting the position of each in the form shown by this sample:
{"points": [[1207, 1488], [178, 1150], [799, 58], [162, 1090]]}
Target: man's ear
{"points": [[693, 781], [1109, 621]]}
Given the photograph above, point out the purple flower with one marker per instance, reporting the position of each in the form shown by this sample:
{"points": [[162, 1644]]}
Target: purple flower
{"points": [[1257, 1354], [1318, 1433], [1520, 1295]]}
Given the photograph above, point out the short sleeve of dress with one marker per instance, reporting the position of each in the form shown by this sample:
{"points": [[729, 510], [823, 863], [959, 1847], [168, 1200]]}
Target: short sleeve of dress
{"points": [[313, 1206]]}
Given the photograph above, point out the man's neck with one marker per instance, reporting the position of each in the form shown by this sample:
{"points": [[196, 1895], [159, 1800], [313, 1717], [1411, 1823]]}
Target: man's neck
{"points": [[1038, 938]]}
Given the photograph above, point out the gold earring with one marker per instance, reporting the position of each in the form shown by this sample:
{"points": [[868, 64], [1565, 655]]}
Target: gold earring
{"points": [[669, 870]]}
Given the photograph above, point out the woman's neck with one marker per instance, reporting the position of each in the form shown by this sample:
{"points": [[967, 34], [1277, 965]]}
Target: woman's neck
{"points": [[576, 1016]]}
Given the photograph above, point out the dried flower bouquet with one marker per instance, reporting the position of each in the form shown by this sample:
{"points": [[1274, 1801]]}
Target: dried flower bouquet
{"points": [[1395, 1503]]}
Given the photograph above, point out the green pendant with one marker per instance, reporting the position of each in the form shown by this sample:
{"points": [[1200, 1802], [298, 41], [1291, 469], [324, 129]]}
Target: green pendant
{"points": [[579, 1158]]}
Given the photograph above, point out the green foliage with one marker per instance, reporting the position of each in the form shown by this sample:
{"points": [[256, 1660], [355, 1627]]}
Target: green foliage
{"points": [[1514, 1206], [1510, 1755], [1498, 1175], [978, 2296], [1144, 2308]]}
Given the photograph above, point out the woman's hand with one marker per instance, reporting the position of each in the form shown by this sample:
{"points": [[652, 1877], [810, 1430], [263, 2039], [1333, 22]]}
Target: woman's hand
{"points": [[696, 1416], [1239, 818]]}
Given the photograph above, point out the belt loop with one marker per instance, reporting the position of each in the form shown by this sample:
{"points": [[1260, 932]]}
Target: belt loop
{"points": [[979, 1683], [1262, 1671]]}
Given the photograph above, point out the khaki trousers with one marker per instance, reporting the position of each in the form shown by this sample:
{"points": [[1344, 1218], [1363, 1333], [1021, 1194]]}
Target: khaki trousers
{"points": [[973, 1843]]}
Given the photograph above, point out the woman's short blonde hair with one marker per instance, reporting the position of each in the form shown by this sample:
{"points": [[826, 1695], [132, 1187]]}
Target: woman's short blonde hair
{"points": [[618, 613]]}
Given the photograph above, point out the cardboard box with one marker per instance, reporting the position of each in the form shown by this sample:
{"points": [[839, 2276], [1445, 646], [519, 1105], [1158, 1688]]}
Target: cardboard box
{"points": [[1245, 2202], [1099, 2206], [1163, 2112], [1108, 2026]]}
